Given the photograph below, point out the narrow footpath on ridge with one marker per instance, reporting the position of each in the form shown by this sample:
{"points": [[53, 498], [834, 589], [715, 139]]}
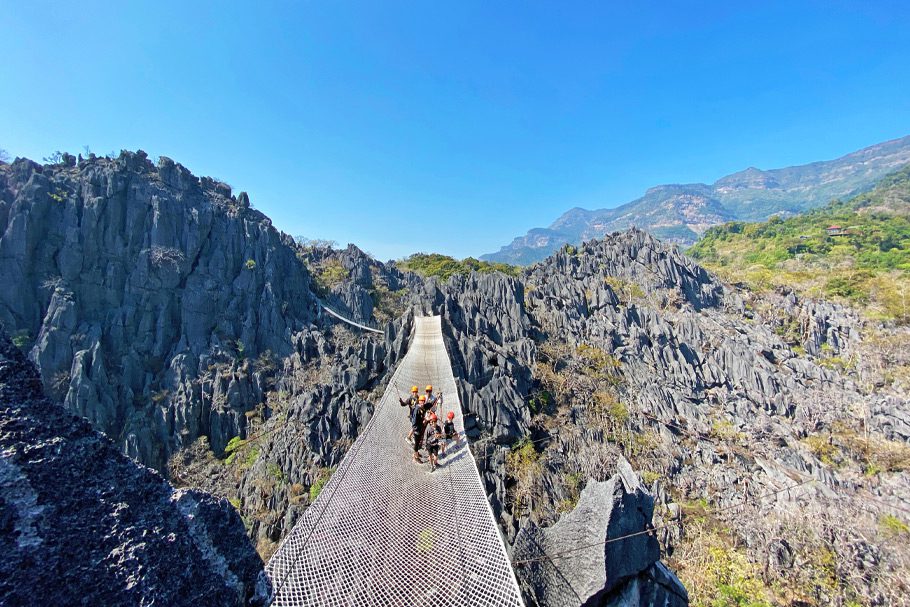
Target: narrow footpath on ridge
{"points": [[387, 531]]}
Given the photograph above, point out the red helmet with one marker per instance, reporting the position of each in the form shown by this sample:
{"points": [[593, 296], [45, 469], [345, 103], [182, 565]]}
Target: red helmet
{"points": [[450, 415], [433, 417]]}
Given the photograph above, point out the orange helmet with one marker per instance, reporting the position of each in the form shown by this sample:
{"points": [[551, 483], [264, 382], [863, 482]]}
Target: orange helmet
{"points": [[450, 415], [422, 398], [414, 389], [429, 388]]}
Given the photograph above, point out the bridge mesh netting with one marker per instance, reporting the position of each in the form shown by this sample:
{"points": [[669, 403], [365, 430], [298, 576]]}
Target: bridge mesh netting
{"points": [[387, 531]]}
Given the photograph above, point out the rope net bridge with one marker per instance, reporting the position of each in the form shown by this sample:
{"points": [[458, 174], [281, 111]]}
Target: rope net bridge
{"points": [[387, 531]]}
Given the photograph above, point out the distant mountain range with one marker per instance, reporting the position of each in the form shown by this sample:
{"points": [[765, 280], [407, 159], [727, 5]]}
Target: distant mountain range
{"points": [[680, 213]]}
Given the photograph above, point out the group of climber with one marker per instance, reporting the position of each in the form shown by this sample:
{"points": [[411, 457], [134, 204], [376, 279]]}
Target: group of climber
{"points": [[425, 428]]}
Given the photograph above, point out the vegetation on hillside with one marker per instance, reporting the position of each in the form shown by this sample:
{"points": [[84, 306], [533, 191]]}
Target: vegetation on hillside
{"points": [[443, 266], [857, 251]]}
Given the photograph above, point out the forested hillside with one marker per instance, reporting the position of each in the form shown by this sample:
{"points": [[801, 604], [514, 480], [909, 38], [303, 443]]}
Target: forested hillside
{"points": [[857, 251]]}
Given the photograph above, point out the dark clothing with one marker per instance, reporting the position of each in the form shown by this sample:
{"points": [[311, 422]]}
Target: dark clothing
{"points": [[432, 436], [410, 403], [432, 400], [448, 429], [417, 416]]}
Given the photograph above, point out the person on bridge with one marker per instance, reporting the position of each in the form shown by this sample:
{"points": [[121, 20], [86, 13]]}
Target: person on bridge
{"points": [[410, 402], [432, 438], [418, 423], [449, 433], [432, 401]]}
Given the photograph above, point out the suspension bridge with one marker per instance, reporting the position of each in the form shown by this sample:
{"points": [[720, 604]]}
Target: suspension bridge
{"points": [[387, 531]]}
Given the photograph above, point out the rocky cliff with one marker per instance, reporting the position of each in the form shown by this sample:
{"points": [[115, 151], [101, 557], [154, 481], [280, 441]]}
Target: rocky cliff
{"points": [[82, 524], [757, 420], [158, 305]]}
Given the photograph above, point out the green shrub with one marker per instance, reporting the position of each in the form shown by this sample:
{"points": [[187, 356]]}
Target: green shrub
{"points": [[444, 267], [22, 339], [648, 477], [720, 575], [237, 446], [823, 448], [599, 364], [540, 402], [232, 449], [625, 289], [251, 456], [522, 458], [322, 478], [275, 471], [606, 404], [893, 526]]}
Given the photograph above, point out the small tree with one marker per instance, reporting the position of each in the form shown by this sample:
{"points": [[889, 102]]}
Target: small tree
{"points": [[55, 158]]}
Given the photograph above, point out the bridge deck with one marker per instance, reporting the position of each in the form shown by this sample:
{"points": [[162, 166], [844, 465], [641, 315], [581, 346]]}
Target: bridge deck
{"points": [[387, 531]]}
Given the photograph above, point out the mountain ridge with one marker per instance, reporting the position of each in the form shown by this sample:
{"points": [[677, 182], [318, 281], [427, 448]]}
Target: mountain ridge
{"points": [[680, 213]]}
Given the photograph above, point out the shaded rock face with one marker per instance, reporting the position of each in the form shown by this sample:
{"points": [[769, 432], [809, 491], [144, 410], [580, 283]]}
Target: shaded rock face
{"points": [[133, 282], [580, 560], [81, 524]]}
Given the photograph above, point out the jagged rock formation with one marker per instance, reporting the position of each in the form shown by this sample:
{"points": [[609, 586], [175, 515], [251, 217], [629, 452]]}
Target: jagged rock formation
{"points": [[156, 278], [719, 395], [80, 523], [580, 560], [157, 305]]}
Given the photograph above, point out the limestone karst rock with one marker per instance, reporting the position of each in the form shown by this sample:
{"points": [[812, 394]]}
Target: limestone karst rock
{"points": [[81, 523], [581, 560]]}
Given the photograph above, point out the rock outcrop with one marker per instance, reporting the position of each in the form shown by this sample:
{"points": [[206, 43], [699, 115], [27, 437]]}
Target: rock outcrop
{"points": [[82, 524], [600, 553], [140, 289]]}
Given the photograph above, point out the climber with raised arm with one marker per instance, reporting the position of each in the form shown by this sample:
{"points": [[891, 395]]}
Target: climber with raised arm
{"points": [[431, 439], [432, 400], [410, 402]]}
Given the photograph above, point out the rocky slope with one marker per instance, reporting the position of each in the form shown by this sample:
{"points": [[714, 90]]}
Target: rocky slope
{"points": [[84, 525], [156, 304], [681, 213], [758, 441], [759, 424]]}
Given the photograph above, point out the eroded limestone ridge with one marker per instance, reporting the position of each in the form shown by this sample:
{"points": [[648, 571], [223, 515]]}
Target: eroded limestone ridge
{"points": [[81, 523]]}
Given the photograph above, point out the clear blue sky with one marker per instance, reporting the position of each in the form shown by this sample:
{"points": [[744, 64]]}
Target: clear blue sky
{"points": [[471, 122]]}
